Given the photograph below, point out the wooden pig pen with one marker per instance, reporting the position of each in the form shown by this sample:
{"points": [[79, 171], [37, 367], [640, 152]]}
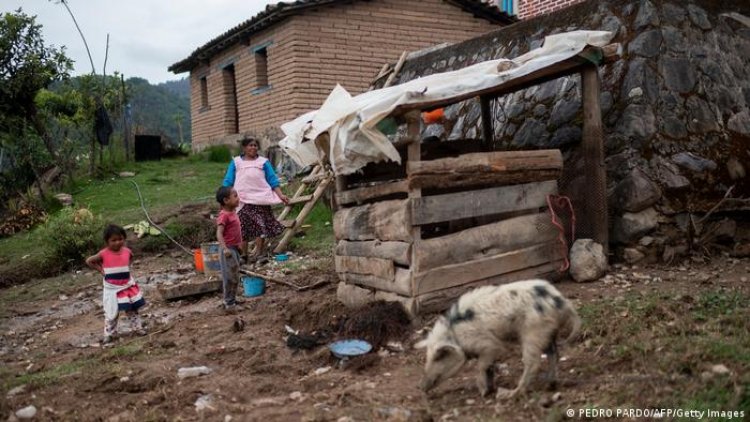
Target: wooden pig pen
{"points": [[457, 215]]}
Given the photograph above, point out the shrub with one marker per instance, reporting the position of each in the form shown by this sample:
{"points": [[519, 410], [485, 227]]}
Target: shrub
{"points": [[219, 154], [71, 235]]}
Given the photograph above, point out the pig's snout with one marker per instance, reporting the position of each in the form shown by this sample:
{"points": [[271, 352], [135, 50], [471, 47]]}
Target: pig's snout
{"points": [[426, 384]]}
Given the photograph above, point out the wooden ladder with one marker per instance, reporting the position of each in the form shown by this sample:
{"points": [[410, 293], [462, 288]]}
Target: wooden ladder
{"points": [[318, 177]]}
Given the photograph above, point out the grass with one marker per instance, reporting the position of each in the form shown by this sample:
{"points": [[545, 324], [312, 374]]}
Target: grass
{"points": [[165, 185], [679, 339], [46, 377]]}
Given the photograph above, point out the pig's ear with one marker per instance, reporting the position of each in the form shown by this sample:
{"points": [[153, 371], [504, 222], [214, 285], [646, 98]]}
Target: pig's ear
{"points": [[420, 344], [444, 351]]}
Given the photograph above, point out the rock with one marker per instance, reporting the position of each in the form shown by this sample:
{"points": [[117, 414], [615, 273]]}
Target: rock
{"points": [[540, 110], [673, 127], [27, 412], [647, 15], [612, 24], [635, 92], [636, 192], [630, 226], [716, 369], [698, 17], [566, 135], [548, 90], [564, 111], [394, 413], [640, 75], [587, 260], [195, 371], [678, 74], [693, 162], [669, 175], [646, 44], [65, 199], [674, 40], [701, 118], [296, 395], [605, 102], [632, 255], [637, 122], [16, 390], [321, 371], [531, 133], [345, 419], [126, 174], [204, 402], [740, 123], [646, 241], [673, 14]]}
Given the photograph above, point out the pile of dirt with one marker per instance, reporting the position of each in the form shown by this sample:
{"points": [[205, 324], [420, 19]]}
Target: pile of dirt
{"points": [[378, 322]]}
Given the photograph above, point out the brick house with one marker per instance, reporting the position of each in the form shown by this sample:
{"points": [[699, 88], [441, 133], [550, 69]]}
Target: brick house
{"points": [[527, 9], [285, 61]]}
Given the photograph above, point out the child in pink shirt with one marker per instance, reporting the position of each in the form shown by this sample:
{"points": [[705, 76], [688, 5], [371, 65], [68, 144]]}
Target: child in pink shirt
{"points": [[229, 235], [121, 292]]}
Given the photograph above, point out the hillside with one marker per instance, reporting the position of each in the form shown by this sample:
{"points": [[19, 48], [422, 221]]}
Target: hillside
{"points": [[158, 108]]}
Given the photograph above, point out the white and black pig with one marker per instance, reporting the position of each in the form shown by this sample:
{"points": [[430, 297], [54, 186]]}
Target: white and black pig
{"points": [[489, 320]]}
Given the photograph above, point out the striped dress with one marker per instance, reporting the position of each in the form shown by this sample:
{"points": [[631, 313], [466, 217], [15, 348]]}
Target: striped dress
{"points": [[116, 267]]}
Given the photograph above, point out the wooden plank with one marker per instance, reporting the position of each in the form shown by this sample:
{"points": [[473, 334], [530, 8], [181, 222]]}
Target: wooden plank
{"points": [[595, 210], [462, 273], [440, 300], [371, 192], [487, 240], [396, 69], [497, 168], [300, 199], [386, 220], [287, 223], [190, 289], [378, 267], [289, 233], [398, 252], [413, 156], [401, 283], [454, 206], [301, 189], [607, 54]]}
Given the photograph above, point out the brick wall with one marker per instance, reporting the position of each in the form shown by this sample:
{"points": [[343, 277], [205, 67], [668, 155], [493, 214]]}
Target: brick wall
{"points": [[308, 54], [530, 8]]}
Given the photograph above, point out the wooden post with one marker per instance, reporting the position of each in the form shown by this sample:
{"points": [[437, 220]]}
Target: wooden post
{"points": [[595, 213], [414, 152], [487, 131]]}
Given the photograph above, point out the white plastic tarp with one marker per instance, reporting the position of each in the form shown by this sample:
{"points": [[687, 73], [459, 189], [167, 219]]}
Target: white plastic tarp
{"points": [[350, 121]]}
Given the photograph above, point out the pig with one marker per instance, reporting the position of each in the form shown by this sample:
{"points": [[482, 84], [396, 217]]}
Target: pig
{"points": [[485, 322]]}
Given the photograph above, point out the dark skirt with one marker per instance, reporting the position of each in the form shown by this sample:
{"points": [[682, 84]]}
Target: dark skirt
{"points": [[258, 221]]}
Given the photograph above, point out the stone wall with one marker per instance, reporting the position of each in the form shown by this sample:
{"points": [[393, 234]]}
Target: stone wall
{"points": [[675, 110]]}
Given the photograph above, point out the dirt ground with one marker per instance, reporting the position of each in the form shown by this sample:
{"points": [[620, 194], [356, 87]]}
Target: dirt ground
{"points": [[50, 333]]}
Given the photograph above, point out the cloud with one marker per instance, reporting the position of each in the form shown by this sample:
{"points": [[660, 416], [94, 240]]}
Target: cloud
{"points": [[146, 36]]}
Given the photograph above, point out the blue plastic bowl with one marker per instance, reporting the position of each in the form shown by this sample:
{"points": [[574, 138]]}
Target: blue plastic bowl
{"points": [[349, 348], [280, 257], [253, 286]]}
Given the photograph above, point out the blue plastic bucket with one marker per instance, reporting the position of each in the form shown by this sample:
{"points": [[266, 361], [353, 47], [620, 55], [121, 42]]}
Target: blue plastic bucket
{"points": [[281, 257], [253, 286]]}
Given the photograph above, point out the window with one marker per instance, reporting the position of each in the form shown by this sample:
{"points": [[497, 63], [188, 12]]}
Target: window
{"points": [[204, 92], [261, 67]]}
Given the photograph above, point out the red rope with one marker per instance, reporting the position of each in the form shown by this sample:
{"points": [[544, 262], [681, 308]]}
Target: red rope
{"points": [[560, 201]]}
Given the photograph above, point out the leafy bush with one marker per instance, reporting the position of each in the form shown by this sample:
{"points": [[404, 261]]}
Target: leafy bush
{"points": [[219, 154], [72, 234]]}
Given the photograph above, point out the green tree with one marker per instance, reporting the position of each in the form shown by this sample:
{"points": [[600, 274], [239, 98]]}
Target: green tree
{"points": [[27, 66]]}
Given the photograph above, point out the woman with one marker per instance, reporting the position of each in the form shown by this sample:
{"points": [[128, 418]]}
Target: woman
{"points": [[253, 178]]}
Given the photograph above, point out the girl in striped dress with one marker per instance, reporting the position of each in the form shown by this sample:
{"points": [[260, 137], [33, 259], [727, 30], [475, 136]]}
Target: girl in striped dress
{"points": [[121, 293]]}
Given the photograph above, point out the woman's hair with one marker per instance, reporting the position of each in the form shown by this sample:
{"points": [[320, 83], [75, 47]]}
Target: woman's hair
{"points": [[222, 194], [248, 141], [112, 230]]}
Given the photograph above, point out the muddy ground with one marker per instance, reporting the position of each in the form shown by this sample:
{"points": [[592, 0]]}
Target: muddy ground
{"points": [[648, 341]]}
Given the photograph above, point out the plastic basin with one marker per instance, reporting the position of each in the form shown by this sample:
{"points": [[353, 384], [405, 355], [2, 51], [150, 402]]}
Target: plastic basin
{"points": [[253, 286], [349, 348]]}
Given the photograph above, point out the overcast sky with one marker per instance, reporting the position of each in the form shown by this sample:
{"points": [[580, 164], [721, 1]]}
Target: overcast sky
{"points": [[145, 36]]}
